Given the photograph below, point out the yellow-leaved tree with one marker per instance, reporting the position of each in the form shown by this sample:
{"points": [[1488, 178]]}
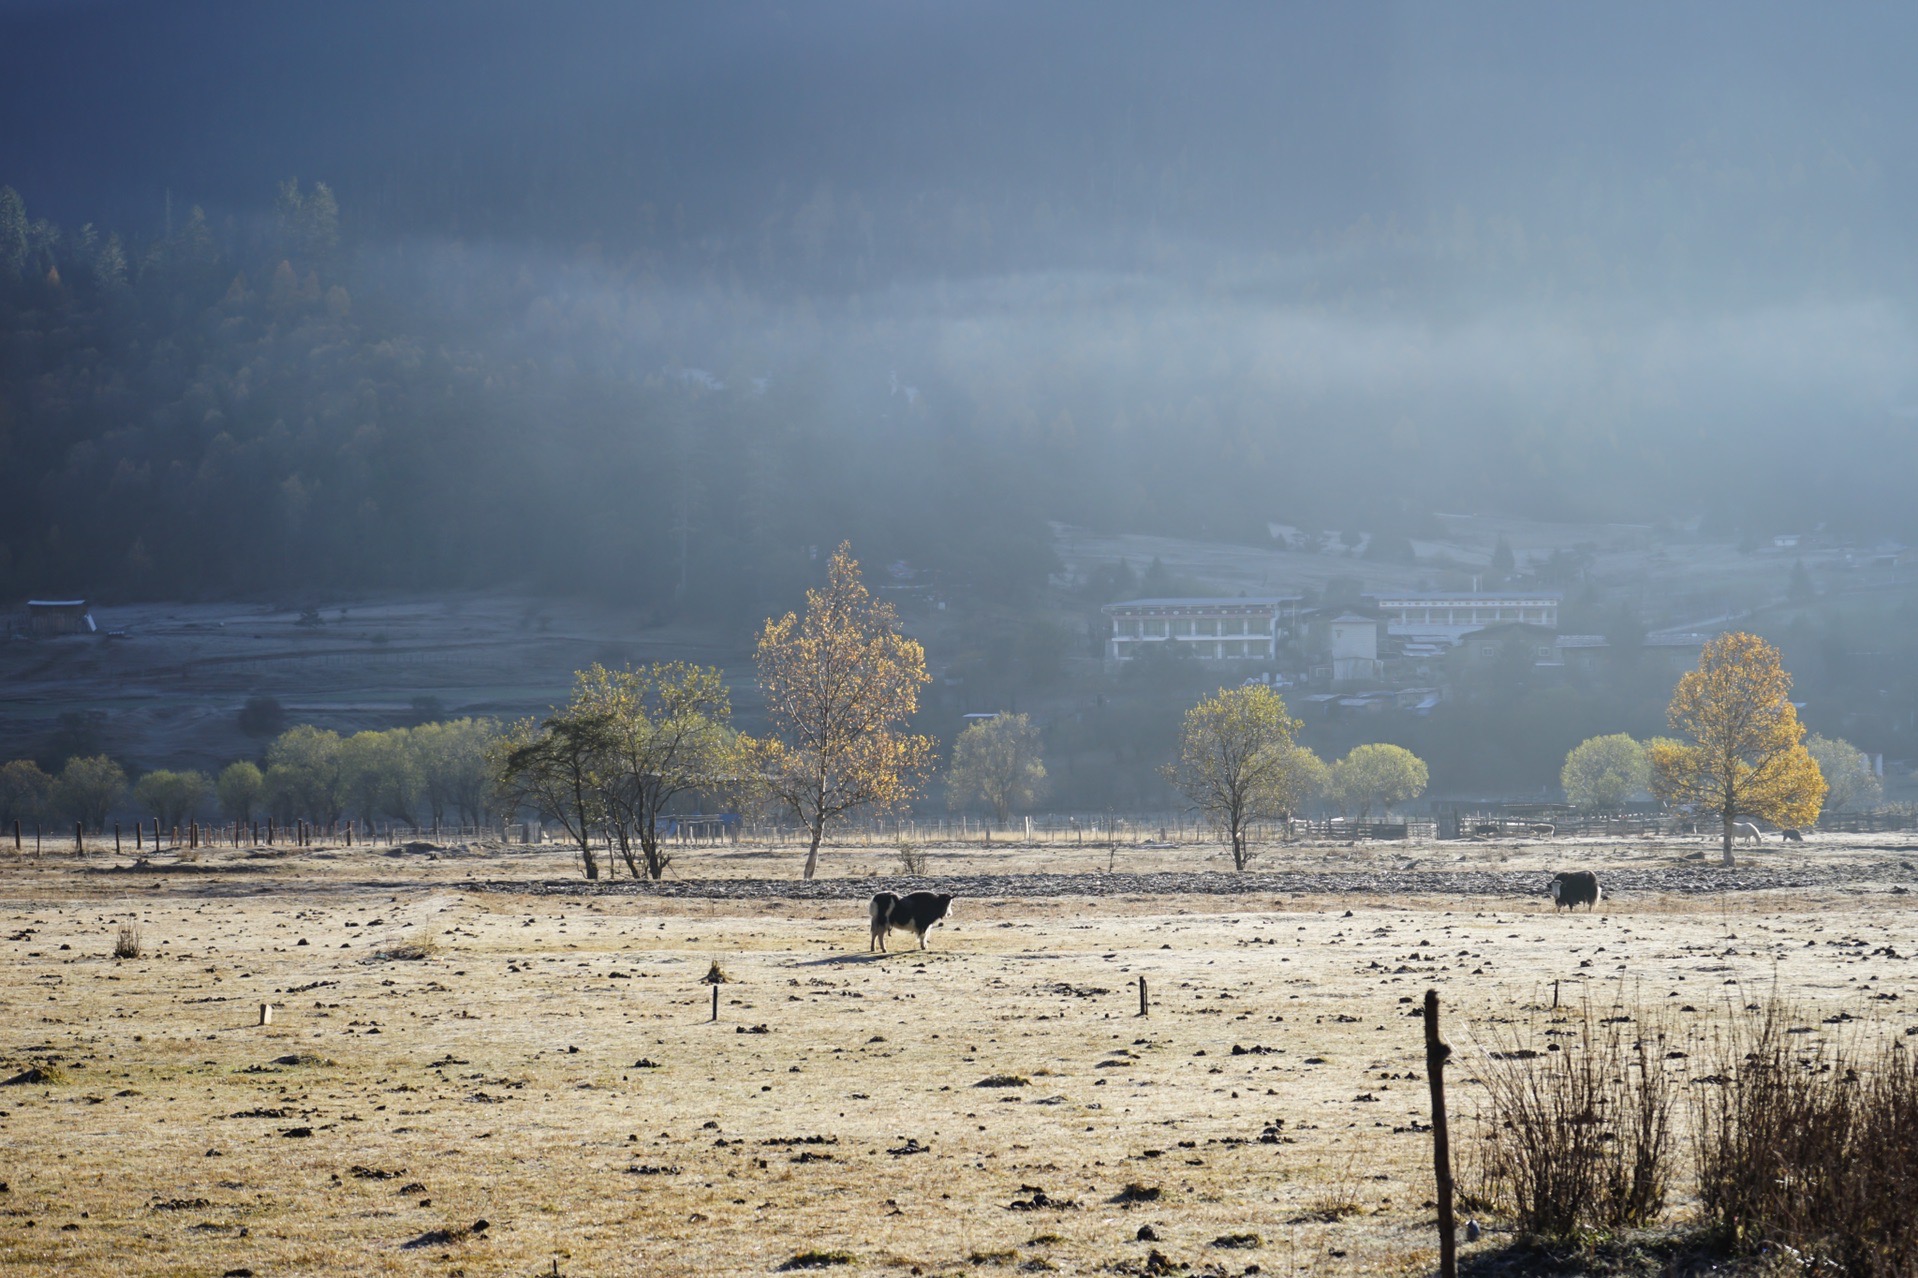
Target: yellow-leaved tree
{"points": [[1238, 763], [840, 685], [1742, 751]]}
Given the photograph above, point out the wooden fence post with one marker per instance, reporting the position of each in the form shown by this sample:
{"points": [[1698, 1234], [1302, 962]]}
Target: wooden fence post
{"points": [[1437, 1051], [1142, 997], [116, 838], [16, 835], [715, 1000], [79, 837]]}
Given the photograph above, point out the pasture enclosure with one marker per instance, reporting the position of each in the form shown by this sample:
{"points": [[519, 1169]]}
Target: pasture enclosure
{"points": [[476, 1064]]}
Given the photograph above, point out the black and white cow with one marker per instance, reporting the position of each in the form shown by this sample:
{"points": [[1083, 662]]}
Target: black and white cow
{"points": [[914, 912], [1574, 888]]}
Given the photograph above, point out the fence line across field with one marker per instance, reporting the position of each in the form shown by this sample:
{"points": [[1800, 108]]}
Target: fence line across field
{"points": [[1085, 830]]}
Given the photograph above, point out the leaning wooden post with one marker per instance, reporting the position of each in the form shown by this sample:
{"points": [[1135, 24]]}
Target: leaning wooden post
{"points": [[1142, 1003], [16, 834], [79, 837], [1437, 1051]]}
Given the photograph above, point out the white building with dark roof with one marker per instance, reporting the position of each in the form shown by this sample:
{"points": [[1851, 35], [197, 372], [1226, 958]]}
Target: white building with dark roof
{"points": [[1239, 629], [1447, 618]]}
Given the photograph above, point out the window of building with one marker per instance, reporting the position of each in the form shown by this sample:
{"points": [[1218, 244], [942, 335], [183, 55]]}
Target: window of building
{"points": [[1155, 629], [1129, 629], [1207, 627], [1182, 629]]}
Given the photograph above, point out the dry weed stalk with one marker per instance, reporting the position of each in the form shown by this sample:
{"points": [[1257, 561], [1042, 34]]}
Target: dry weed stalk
{"points": [[1578, 1136], [1811, 1147], [126, 945]]}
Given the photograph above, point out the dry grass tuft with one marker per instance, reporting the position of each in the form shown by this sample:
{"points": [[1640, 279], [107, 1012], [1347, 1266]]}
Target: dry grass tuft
{"points": [[1809, 1148], [1334, 1201], [126, 945], [408, 951], [1579, 1136]]}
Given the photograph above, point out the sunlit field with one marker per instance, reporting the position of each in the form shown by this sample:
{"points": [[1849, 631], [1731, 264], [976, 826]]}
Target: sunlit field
{"points": [[464, 1077]]}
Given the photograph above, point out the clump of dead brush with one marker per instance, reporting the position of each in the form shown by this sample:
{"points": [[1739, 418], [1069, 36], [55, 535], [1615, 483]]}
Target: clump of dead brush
{"points": [[412, 950], [1808, 1145], [126, 943], [1579, 1136], [912, 858]]}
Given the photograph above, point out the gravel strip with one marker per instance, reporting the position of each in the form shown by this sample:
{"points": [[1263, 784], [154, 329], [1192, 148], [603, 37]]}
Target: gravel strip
{"points": [[1680, 880]]}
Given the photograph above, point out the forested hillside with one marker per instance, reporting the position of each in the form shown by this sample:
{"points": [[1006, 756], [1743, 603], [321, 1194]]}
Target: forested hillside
{"points": [[232, 409]]}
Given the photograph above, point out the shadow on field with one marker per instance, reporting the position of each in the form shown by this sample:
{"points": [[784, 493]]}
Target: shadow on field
{"points": [[1661, 1253], [843, 960]]}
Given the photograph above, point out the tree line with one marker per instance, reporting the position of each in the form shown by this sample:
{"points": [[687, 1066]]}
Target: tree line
{"points": [[435, 773], [841, 685]]}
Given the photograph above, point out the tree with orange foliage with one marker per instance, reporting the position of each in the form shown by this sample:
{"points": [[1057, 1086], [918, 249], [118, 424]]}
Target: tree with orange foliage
{"points": [[840, 685], [1743, 752]]}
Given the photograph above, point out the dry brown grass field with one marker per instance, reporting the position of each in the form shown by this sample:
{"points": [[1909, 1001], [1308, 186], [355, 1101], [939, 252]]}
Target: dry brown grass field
{"points": [[547, 1064]]}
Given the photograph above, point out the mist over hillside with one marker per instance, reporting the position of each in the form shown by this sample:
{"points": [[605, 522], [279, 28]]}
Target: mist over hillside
{"points": [[650, 302]]}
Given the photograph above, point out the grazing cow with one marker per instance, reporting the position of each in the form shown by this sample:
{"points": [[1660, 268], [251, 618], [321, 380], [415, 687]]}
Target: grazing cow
{"points": [[1574, 888], [1543, 829], [915, 912], [1746, 831], [1789, 835]]}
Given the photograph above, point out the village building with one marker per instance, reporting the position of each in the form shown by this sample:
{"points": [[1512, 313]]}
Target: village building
{"points": [[1355, 649], [1448, 618], [47, 617], [1511, 642], [1237, 629]]}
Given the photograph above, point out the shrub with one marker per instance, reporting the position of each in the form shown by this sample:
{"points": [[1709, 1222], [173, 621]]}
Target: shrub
{"points": [[127, 944], [1809, 1146], [912, 858], [1579, 1136]]}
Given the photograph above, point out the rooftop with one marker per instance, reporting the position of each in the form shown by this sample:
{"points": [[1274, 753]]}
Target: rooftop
{"points": [[1469, 596], [1232, 601]]}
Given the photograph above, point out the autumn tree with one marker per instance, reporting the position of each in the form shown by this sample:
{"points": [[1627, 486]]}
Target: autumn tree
{"points": [[1237, 763], [240, 787], [550, 767], [379, 776], [1849, 777], [1741, 750], [87, 789], [667, 732], [171, 796], [25, 792], [1602, 773], [840, 685], [997, 762], [1377, 776], [458, 762], [303, 775]]}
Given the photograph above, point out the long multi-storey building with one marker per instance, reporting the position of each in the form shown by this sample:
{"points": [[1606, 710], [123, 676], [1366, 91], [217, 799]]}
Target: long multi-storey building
{"points": [[1240, 629], [1446, 618]]}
